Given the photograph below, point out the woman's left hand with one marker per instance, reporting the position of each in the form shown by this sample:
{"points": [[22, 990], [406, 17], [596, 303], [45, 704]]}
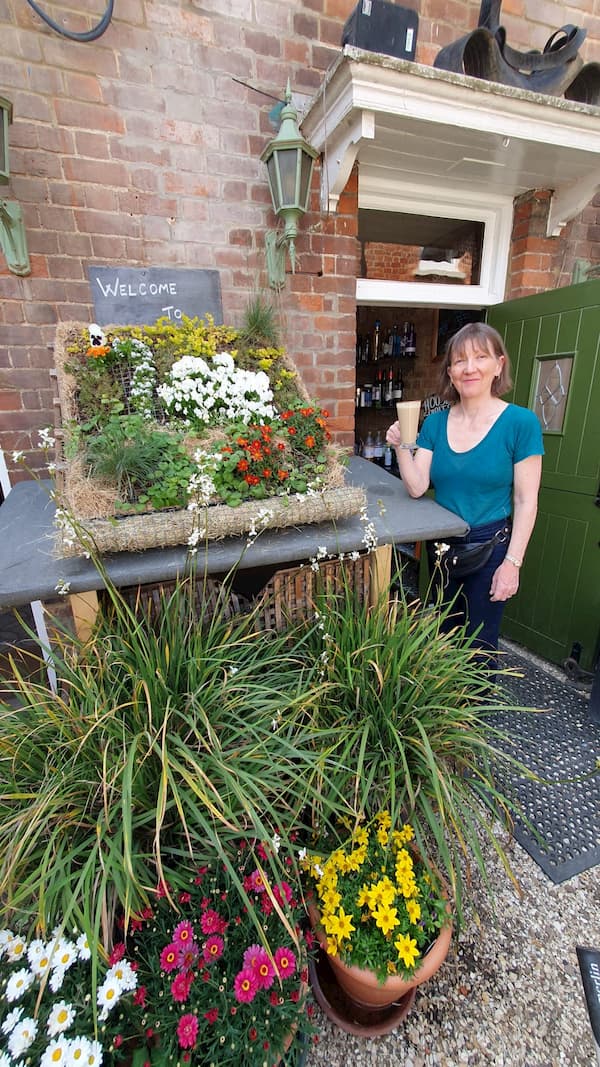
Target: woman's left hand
{"points": [[505, 581]]}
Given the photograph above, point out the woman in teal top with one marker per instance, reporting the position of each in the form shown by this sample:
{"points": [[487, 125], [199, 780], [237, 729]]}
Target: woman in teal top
{"points": [[483, 458]]}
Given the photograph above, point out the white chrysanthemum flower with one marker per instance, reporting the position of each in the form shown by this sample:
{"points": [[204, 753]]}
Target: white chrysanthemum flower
{"points": [[57, 1053], [11, 1020], [60, 1018], [18, 984], [22, 1037], [16, 950], [83, 947]]}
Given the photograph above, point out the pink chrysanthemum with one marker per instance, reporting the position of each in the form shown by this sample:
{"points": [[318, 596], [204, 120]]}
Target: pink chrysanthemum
{"points": [[213, 948], [211, 1015], [117, 953], [188, 956], [258, 958], [283, 893], [245, 985], [256, 882], [187, 1031], [183, 933], [181, 985], [285, 962], [139, 997], [212, 923], [169, 957]]}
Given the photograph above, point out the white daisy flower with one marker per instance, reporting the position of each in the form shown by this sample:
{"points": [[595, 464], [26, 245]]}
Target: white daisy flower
{"points": [[5, 1061], [56, 979], [80, 1050], [108, 995], [123, 973], [11, 1020], [83, 947], [39, 957], [16, 950], [60, 1018], [22, 1037], [57, 1054], [94, 1054], [6, 936], [18, 984], [64, 955]]}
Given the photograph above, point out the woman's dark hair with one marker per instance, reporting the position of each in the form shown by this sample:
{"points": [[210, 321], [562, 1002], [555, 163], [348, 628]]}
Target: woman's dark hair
{"points": [[483, 336]]}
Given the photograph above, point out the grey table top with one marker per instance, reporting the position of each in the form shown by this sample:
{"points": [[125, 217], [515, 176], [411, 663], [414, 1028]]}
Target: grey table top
{"points": [[30, 570]]}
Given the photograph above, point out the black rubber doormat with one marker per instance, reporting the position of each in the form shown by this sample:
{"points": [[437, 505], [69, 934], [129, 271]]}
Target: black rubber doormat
{"points": [[561, 745]]}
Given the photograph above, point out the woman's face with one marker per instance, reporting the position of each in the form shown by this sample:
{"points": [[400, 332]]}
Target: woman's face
{"points": [[474, 368]]}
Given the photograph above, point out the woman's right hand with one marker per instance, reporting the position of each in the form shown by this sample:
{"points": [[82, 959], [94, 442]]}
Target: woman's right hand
{"points": [[393, 436]]}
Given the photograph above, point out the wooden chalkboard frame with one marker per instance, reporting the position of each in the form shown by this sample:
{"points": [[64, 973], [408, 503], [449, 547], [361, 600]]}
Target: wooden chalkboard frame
{"points": [[138, 296]]}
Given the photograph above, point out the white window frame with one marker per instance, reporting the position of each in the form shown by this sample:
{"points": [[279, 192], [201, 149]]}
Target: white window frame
{"points": [[496, 214]]}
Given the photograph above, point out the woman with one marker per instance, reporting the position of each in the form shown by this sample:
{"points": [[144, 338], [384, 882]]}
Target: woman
{"points": [[484, 460]]}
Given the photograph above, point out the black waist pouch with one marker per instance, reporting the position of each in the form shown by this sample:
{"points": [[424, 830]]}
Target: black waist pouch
{"points": [[460, 560]]}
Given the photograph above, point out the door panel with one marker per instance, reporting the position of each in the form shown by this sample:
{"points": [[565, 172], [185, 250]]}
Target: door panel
{"points": [[559, 598]]}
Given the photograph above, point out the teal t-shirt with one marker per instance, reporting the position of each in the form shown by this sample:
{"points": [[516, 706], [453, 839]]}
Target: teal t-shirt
{"points": [[478, 484]]}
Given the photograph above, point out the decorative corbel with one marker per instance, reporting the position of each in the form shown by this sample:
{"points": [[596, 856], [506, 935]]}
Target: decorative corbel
{"points": [[339, 155], [569, 200]]}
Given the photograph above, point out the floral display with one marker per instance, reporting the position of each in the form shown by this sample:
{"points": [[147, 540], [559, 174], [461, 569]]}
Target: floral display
{"points": [[48, 1012], [159, 410], [379, 906], [213, 987]]}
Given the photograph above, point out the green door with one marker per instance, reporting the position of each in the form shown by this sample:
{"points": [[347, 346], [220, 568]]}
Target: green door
{"points": [[554, 343]]}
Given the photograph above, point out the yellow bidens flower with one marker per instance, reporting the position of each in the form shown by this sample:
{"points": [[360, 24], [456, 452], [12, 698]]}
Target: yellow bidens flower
{"points": [[379, 907]]}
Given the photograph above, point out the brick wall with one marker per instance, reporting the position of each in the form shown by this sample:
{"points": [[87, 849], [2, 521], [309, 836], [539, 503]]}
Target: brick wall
{"points": [[143, 148]]}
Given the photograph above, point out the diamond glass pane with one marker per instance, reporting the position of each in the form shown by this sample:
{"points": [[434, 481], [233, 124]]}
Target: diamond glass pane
{"points": [[551, 392]]}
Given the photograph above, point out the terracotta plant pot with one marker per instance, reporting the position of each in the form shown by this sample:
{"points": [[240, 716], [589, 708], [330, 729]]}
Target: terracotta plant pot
{"points": [[362, 987]]}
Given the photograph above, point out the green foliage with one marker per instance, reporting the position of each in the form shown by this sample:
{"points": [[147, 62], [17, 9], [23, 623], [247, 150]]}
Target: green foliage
{"points": [[259, 325], [167, 736], [132, 455], [412, 711]]}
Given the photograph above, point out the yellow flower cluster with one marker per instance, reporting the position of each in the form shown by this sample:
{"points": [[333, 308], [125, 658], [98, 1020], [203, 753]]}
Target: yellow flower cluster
{"points": [[385, 893]]}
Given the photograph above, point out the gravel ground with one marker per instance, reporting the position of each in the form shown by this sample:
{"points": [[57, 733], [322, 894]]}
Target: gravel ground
{"points": [[510, 991]]}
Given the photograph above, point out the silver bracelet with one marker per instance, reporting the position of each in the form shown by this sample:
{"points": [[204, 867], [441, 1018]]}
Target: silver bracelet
{"points": [[408, 446], [515, 562]]}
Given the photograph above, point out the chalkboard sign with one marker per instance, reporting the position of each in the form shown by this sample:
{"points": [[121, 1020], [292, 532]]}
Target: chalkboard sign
{"points": [[138, 296], [589, 965]]}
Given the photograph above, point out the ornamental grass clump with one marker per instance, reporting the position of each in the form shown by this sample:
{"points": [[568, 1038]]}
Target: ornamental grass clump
{"points": [[378, 904], [212, 988]]}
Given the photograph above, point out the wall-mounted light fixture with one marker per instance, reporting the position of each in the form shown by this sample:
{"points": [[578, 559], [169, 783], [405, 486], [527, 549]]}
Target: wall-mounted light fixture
{"points": [[289, 159], [12, 230]]}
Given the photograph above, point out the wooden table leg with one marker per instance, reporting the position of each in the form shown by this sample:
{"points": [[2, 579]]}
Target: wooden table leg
{"points": [[381, 572], [85, 609]]}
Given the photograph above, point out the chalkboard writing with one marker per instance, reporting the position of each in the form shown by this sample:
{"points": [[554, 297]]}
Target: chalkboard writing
{"points": [[589, 965], [141, 295]]}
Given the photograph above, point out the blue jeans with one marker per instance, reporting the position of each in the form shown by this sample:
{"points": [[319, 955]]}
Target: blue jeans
{"points": [[471, 595]]}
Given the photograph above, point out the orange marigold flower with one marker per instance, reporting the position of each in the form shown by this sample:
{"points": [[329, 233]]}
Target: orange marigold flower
{"points": [[286, 414], [97, 351], [320, 422], [325, 413], [251, 479], [281, 446], [265, 432], [282, 475], [242, 465], [226, 448], [267, 473], [242, 442], [309, 441], [291, 430], [306, 412]]}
